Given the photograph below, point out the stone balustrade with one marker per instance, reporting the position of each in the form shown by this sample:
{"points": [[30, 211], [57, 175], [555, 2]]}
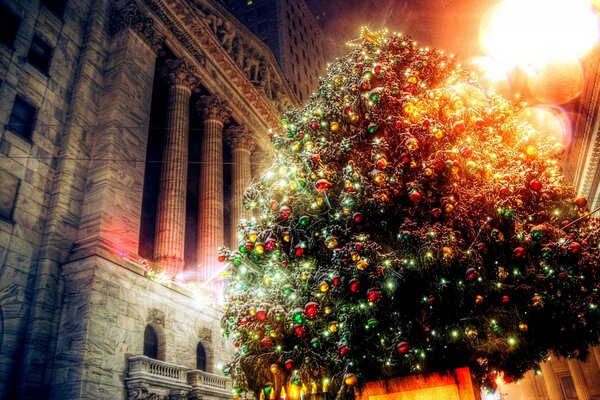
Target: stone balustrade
{"points": [[147, 376], [209, 382]]}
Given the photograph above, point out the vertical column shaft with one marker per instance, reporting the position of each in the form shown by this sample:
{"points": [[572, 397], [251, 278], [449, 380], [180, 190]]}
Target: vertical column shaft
{"points": [[551, 382], [211, 210], [170, 219], [581, 387], [242, 145]]}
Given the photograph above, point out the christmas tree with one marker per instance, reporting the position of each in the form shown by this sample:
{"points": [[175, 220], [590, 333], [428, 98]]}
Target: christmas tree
{"points": [[412, 222]]}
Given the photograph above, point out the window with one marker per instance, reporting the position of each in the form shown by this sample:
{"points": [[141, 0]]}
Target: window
{"points": [[10, 26], [8, 195], [57, 7], [40, 54], [22, 117], [200, 357], [150, 342], [568, 388]]}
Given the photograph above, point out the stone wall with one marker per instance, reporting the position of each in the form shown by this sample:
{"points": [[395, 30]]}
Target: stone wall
{"points": [[105, 311], [32, 163]]}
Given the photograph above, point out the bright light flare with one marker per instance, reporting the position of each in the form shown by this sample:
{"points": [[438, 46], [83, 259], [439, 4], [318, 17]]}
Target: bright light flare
{"points": [[533, 32], [556, 82], [550, 120]]}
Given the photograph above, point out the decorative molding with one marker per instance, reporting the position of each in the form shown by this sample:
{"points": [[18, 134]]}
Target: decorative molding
{"points": [[130, 16], [175, 27], [180, 72], [213, 107], [198, 39], [240, 137], [137, 392], [156, 316], [205, 335]]}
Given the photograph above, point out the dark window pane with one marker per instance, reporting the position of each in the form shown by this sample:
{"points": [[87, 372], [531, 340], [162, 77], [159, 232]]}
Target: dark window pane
{"points": [[40, 54], [150, 343], [22, 117], [200, 357], [57, 7], [9, 24]]}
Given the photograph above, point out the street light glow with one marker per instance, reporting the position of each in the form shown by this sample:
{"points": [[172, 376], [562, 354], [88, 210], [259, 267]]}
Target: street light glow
{"points": [[533, 32]]}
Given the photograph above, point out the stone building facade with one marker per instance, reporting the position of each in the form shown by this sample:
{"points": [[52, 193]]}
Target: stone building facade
{"points": [[129, 130], [291, 31]]}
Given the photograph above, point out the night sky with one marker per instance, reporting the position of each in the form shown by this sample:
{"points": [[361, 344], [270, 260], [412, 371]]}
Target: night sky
{"points": [[451, 25]]}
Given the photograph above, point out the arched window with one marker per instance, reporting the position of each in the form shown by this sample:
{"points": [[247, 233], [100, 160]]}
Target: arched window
{"points": [[150, 342], [200, 357]]}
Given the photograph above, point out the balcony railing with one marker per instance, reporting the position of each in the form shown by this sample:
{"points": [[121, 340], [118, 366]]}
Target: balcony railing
{"points": [[149, 376], [209, 383]]}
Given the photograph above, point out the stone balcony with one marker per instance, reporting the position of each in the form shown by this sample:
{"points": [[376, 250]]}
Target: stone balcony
{"points": [[148, 378]]}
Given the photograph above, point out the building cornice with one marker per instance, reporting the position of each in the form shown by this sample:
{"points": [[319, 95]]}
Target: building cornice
{"points": [[218, 71]]}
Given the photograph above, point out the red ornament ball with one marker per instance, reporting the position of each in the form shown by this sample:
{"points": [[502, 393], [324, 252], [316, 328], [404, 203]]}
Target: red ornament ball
{"points": [[289, 364], [266, 342], [403, 347], [299, 330], [575, 248], [311, 310], [354, 285], [374, 294], [285, 212], [261, 314], [535, 185], [337, 281], [415, 196], [581, 202], [357, 218], [344, 349], [519, 252], [472, 274], [322, 185]]}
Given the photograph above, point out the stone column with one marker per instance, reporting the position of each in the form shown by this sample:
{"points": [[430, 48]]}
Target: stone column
{"points": [[596, 354], [551, 382], [528, 386], [170, 219], [581, 387], [241, 143], [216, 113], [113, 200], [261, 161]]}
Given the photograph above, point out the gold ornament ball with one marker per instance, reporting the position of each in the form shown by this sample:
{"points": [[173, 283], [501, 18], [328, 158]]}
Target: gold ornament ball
{"points": [[274, 368], [471, 333], [350, 379], [523, 327]]}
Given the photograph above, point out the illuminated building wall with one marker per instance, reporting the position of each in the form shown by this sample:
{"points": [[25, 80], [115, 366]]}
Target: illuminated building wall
{"points": [[129, 130]]}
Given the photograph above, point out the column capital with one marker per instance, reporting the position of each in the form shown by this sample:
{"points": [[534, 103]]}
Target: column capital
{"points": [[179, 72], [130, 16], [213, 107], [240, 137]]}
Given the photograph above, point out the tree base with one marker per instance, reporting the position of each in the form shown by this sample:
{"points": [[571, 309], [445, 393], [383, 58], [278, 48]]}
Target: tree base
{"points": [[451, 386]]}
